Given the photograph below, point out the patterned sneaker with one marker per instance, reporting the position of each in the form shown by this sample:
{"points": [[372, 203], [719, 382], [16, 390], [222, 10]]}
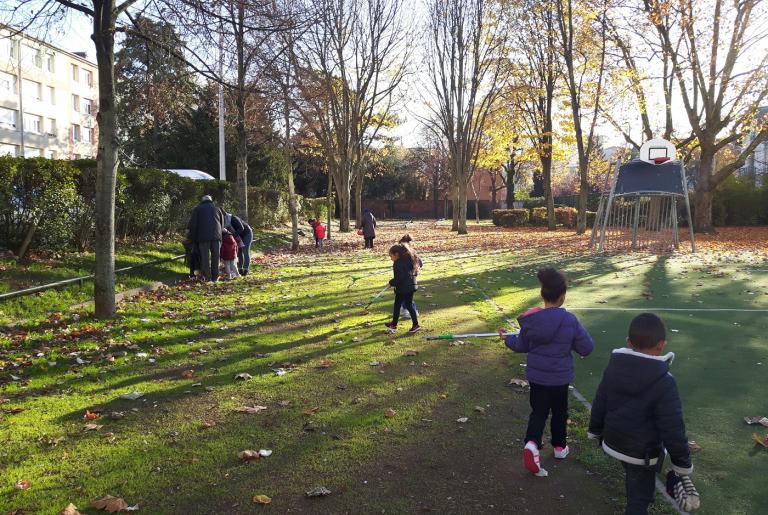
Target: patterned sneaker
{"points": [[391, 328], [414, 329], [561, 452], [682, 490], [531, 459]]}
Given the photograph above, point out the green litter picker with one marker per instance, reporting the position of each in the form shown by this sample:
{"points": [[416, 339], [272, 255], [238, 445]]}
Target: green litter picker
{"points": [[467, 335]]}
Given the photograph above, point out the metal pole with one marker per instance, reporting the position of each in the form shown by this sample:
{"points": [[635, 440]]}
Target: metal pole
{"points": [[222, 146], [675, 230], [688, 209], [600, 206], [607, 214], [635, 222]]}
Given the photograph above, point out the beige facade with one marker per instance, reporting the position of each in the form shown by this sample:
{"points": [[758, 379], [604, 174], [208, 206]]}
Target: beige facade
{"points": [[48, 100]]}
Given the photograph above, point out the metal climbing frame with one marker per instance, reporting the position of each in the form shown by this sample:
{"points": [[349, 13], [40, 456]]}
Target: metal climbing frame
{"points": [[641, 215]]}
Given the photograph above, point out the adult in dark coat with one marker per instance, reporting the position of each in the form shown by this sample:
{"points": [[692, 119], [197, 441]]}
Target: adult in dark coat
{"points": [[205, 227], [369, 228]]}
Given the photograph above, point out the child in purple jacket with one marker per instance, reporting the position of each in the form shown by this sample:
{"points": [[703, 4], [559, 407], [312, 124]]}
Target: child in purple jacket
{"points": [[548, 335]]}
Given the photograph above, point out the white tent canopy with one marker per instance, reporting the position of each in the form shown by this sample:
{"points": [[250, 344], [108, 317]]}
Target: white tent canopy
{"points": [[196, 175]]}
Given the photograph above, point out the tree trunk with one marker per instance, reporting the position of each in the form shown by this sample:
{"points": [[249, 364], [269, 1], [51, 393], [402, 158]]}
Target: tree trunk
{"points": [[493, 191], [106, 162], [702, 198], [546, 165], [462, 210], [359, 200], [293, 209], [477, 203], [455, 204], [330, 204], [510, 184], [344, 193], [241, 183], [435, 194], [581, 219]]}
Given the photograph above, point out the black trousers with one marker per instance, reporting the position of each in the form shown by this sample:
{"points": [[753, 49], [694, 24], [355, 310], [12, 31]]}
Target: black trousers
{"points": [[546, 399], [368, 242], [640, 483], [404, 300], [209, 259]]}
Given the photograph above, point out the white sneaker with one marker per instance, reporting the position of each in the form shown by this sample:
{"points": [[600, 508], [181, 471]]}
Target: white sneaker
{"points": [[531, 459], [561, 452]]}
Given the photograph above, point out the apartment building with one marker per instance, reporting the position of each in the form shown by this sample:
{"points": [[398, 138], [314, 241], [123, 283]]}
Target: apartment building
{"points": [[756, 167], [48, 100]]}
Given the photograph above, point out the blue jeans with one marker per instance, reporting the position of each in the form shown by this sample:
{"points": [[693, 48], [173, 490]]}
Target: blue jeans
{"points": [[640, 483], [244, 253]]}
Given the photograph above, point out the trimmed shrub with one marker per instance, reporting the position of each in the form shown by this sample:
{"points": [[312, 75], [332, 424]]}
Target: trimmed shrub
{"points": [[514, 217], [565, 216], [539, 216], [738, 201], [591, 215], [316, 208], [496, 215], [534, 202]]}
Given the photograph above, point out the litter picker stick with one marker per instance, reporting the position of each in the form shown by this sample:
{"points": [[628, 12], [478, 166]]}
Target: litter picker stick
{"points": [[375, 297], [467, 335]]}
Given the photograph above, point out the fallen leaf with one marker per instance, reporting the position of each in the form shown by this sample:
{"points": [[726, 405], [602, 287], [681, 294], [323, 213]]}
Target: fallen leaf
{"points": [[207, 424], [326, 363], [311, 411], [479, 409], [389, 412], [188, 373], [91, 415], [250, 409], [462, 420], [262, 499], [757, 420], [283, 403], [71, 509], [692, 445], [265, 453], [92, 427], [410, 353], [243, 376], [522, 383], [132, 396], [110, 504], [23, 484], [760, 440], [248, 455], [318, 491]]}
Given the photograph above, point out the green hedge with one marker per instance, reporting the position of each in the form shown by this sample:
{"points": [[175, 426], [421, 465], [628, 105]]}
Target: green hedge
{"points": [[514, 217], [60, 196], [738, 201], [269, 208]]}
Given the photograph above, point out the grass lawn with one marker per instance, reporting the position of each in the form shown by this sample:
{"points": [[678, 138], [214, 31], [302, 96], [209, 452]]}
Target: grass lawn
{"points": [[175, 449], [15, 276]]}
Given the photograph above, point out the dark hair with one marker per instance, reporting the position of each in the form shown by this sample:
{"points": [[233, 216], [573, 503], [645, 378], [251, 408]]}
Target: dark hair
{"points": [[553, 284], [646, 330], [406, 239], [403, 250]]}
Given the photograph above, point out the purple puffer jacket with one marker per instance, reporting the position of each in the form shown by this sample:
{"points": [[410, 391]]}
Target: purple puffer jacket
{"points": [[549, 336]]}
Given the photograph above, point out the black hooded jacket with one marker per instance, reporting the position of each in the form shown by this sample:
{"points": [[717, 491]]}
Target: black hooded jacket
{"points": [[637, 411], [405, 276]]}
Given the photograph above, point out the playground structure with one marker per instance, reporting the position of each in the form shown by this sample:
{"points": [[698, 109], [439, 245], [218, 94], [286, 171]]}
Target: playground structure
{"points": [[639, 211]]}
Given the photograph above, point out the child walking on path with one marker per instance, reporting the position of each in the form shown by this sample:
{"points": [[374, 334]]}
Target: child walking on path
{"points": [[548, 335], [407, 242], [405, 267], [229, 254], [637, 414]]}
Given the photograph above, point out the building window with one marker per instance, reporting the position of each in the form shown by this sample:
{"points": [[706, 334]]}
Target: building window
{"points": [[51, 127], [75, 73], [32, 152], [75, 132], [76, 103], [88, 78], [6, 149], [8, 118], [32, 55], [87, 106], [33, 123], [32, 90], [51, 95], [50, 154], [88, 135], [7, 47], [49, 63], [7, 83]]}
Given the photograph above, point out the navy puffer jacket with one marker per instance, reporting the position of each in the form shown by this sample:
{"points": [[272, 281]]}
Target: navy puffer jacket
{"points": [[637, 411]]}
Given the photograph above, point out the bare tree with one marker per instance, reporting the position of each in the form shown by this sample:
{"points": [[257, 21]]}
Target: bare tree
{"points": [[467, 71], [582, 46], [348, 66], [714, 47], [536, 75]]}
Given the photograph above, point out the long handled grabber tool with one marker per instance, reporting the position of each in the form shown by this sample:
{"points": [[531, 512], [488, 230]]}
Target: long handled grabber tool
{"points": [[375, 298], [467, 335]]}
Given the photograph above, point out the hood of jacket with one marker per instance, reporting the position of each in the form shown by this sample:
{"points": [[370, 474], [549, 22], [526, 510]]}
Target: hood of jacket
{"points": [[633, 372], [541, 326]]}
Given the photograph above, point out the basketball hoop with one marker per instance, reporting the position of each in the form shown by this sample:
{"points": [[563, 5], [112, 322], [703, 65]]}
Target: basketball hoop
{"points": [[654, 150], [659, 160]]}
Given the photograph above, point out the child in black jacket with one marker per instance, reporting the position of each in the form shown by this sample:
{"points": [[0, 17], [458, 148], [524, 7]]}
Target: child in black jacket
{"points": [[637, 412], [405, 266]]}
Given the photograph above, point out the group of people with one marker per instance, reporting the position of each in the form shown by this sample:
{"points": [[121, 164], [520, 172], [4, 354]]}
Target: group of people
{"points": [[217, 239], [636, 414]]}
